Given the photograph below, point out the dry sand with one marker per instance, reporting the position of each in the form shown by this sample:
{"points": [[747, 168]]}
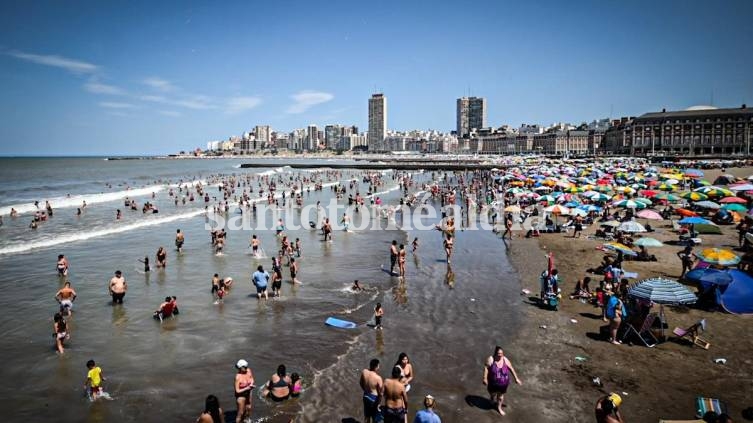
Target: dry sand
{"points": [[655, 383]]}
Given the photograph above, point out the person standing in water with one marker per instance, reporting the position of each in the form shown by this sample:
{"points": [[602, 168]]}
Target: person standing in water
{"points": [[293, 270], [162, 257], [254, 245], [415, 245], [65, 297], [94, 378], [372, 387], [378, 314], [118, 287], [448, 245], [62, 265], [393, 256], [244, 384], [401, 261], [179, 240], [497, 370], [60, 327], [395, 398]]}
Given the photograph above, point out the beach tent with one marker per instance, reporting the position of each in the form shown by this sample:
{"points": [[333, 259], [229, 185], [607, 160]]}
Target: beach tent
{"points": [[737, 298]]}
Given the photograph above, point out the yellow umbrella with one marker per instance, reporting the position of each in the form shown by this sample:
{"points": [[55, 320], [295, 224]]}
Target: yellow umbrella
{"points": [[719, 256]]}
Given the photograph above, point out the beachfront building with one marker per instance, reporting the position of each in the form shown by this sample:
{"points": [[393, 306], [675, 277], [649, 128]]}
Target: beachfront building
{"points": [[332, 135], [312, 138], [693, 131], [471, 115], [350, 141], [263, 137], [377, 122]]}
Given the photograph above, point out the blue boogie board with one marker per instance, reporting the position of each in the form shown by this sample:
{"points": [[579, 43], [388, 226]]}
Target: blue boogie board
{"points": [[344, 324]]}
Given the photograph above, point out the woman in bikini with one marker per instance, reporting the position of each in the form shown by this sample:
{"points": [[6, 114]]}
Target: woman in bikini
{"points": [[407, 368], [278, 387], [244, 383], [161, 257]]}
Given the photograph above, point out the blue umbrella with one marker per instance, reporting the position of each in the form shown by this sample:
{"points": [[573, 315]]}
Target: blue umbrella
{"points": [[662, 291], [694, 220], [710, 276]]}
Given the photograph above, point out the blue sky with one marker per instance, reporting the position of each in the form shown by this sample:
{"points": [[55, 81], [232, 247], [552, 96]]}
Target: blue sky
{"points": [[157, 77]]}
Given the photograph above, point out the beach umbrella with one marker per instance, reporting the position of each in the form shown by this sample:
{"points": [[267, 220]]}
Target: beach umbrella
{"points": [[547, 199], [707, 204], [557, 209], [612, 223], [650, 193], [649, 214], [693, 173], [589, 208], [602, 188], [734, 207], [715, 192], [578, 212], [629, 204], [686, 212], [737, 200], [694, 196], [662, 291], [616, 246], [720, 256], [741, 187], [666, 187], [648, 242], [666, 197], [512, 209], [694, 220], [709, 275], [645, 201], [631, 226]]}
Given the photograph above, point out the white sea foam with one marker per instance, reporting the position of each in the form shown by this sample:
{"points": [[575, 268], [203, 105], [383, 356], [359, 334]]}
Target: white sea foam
{"points": [[77, 200], [83, 236], [395, 188]]}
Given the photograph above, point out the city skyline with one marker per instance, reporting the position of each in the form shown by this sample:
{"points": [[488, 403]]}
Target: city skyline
{"points": [[155, 79]]}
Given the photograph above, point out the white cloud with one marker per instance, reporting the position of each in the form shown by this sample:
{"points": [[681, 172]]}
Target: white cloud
{"points": [[170, 113], [114, 105], [197, 102], [159, 84], [304, 100], [71, 65], [100, 88], [236, 105]]}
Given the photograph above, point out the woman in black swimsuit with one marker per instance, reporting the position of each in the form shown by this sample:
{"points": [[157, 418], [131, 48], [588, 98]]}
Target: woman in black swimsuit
{"points": [[279, 385], [161, 257]]}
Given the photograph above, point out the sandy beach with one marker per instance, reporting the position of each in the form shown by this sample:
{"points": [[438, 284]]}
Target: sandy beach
{"points": [[656, 383]]}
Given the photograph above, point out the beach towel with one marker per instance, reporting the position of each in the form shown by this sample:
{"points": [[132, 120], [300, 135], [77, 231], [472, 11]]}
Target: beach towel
{"points": [[704, 405]]}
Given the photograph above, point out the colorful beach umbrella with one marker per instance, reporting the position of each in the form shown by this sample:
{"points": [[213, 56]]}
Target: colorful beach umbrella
{"points": [[694, 220], [737, 200], [557, 209], [666, 197], [616, 246], [734, 207], [631, 226], [630, 204], [694, 196], [685, 212], [720, 256]]}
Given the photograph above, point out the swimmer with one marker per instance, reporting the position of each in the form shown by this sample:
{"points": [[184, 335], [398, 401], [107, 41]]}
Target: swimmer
{"points": [[118, 215], [146, 264], [60, 328], [62, 265], [298, 247], [65, 297], [276, 282], [162, 257], [345, 221], [356, 286], [179, 240], [415, 245], [255, 245], [118, 287]]}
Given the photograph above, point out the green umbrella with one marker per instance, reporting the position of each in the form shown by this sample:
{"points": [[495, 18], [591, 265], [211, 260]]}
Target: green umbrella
{"points": [[734, 207], [648, 242]]}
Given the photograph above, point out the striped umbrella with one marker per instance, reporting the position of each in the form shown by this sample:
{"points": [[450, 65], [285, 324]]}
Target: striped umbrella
{"points": [[645, 201], [662, 291], [667, 197], [666, 187], [720, 256], [630, 204], [713, 191], [616, 246]]}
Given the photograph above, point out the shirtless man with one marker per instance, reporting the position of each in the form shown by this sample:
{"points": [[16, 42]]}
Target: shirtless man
{"points": [[372, 386], [293, 270], [393, 256], [395, 398], [179, 240], [65, 297], [118, 287], [62, 265], [254, 245]]}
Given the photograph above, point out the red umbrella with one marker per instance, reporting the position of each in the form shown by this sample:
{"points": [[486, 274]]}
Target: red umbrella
{"points": [[649, 193]]}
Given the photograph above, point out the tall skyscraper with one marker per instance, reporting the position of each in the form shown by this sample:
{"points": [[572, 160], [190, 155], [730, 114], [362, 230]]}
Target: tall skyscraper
{"points": [[471, 114], [312, 138], [377, 121]]}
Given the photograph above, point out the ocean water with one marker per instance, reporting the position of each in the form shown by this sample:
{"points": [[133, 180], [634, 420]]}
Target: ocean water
{"points": [[447, 321]]}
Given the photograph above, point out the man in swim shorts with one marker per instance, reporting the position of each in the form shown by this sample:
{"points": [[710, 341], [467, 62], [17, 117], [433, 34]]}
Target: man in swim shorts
{"points": [[395, 398], [179, 240], [62, 265], [118, 287], [65, 297], [372, 386], [393, 256]]}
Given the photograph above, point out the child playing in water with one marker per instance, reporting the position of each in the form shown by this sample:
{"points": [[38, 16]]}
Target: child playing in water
{"points": [[146, 264], [295, 385], [94, 378], [415, 245]]}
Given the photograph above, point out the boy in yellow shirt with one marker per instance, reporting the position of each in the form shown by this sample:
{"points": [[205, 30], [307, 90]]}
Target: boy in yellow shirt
{"points": [[94, 380]]}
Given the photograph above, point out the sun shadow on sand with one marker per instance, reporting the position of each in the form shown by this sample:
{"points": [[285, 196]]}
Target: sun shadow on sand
{"points": [[479, 402], [591, 315], [350, 420]]}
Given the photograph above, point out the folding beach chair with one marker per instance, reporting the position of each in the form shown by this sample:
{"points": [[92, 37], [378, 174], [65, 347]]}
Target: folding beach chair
{"points": [[693, 333], [643, 332], [704, 405]]}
